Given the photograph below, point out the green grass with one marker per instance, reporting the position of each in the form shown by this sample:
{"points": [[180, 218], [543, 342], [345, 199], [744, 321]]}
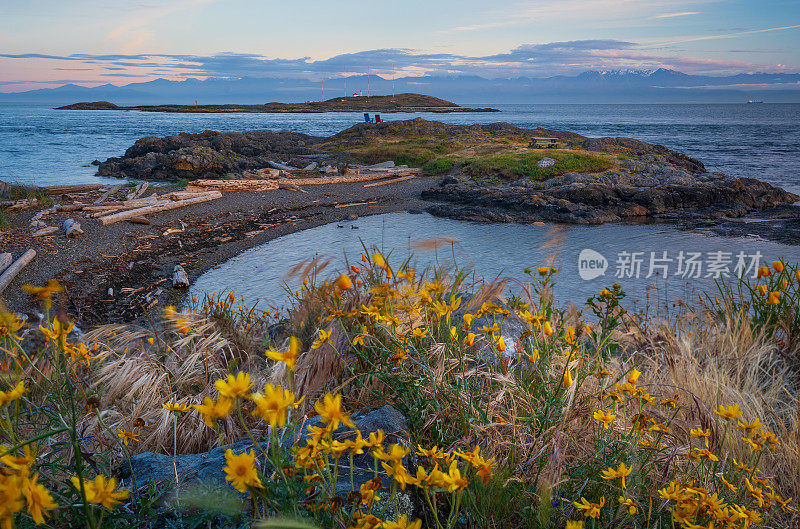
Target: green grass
{"points": [[439, 166], [20, 192], [414, 152], [518, 164], [4, 224]]}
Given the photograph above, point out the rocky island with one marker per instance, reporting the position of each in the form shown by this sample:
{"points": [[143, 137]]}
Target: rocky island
{"points": [[380, 104], [496, 172]]}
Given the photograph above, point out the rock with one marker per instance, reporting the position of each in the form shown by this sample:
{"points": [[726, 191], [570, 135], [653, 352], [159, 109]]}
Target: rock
{"points": [[311, 166], [546, 162], [206, 468], [140, 220], [352, 216]]}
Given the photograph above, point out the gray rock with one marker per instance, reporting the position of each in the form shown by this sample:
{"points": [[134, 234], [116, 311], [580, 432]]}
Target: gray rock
{"points": [[546, 162], [207, 468]]}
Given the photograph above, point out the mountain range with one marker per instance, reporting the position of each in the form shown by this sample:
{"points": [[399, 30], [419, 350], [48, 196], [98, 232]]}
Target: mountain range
{"points": [[616, 86]]}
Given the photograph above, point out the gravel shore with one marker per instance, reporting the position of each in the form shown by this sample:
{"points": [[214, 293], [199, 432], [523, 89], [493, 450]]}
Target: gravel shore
{"points": [[135, 261]]}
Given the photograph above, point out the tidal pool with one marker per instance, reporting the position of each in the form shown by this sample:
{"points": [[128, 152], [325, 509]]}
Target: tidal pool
{"points": [[656, 264]]}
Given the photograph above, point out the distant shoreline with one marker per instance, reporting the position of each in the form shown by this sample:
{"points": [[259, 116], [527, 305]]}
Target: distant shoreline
{"points": [[411, 103]]}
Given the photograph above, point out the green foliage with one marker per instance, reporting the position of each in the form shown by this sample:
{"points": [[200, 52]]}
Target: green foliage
{"points": [[517, 164], [439, 166]]}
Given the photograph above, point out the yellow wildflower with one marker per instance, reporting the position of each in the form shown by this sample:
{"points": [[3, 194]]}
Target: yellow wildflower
{"points": [[38, 498], [274, 404], [632, 508], [402, 523], [241, 470], [605, 417], [592, 510], [102, 491], [330, 411], [234, 387], [212, 411], [14, 393], [321, 338], [289, 357], [127, 436], [729, 412], [620, 472]]}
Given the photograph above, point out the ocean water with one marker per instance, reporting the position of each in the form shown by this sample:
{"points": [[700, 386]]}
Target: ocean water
{"points": [[39, 145], [651, 262]]}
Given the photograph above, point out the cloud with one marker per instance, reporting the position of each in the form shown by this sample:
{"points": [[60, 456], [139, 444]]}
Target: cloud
{"points": [[681, 14], [527, 60]]}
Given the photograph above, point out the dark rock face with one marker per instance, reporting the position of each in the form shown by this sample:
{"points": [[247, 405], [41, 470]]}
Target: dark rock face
{"points": [[659, 185], [208, 154]]}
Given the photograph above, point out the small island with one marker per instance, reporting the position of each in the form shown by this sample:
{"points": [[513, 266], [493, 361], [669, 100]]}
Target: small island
{"points": [[380, 104]]}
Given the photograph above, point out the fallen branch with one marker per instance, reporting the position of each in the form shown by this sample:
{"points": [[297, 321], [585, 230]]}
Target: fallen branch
{"points": [[349, 204], [392, 181], [12, 271], [138, 212]]}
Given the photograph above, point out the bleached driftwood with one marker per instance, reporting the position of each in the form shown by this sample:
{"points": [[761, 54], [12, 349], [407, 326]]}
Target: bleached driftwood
{"points": [[71, 207], [355, 178], [113, 189], [23, 203], [392, 181], [138, 191], [44, 231], [290, 186], [138, 212], [234, 185], [281, 166], [11, 272], [179, 277], [76, 188], [5, 260], [72, 228]]}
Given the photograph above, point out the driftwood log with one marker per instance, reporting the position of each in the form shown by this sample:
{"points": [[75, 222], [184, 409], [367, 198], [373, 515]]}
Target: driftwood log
{"points": [[140, 220], [12, 271], [113, 189], [44, 231], [138, 212], [392, 181], [179, 277], [72, 228], [5, 260], [138, 191], [76, 188], [233, 185]]}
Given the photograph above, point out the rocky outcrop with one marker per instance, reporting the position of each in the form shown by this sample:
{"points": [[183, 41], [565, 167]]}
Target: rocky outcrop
{"points": [[208, 154], [659, 184]]}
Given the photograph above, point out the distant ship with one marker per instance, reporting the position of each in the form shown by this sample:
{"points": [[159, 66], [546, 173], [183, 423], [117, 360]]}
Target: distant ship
{"points": [[754, 102]]}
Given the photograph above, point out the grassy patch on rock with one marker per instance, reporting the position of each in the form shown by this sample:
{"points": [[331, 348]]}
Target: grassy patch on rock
{"points": [[520, 163]]}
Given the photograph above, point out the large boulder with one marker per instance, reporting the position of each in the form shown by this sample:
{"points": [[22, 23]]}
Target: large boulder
{"points": [[207, 468]]}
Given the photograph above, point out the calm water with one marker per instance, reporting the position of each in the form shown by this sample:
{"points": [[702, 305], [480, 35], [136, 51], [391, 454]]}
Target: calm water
{"points": [[44, 146], [497, 250]]}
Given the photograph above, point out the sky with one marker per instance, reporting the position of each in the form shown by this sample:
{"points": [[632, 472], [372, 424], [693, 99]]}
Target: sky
{"points": [[47, 43]]}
